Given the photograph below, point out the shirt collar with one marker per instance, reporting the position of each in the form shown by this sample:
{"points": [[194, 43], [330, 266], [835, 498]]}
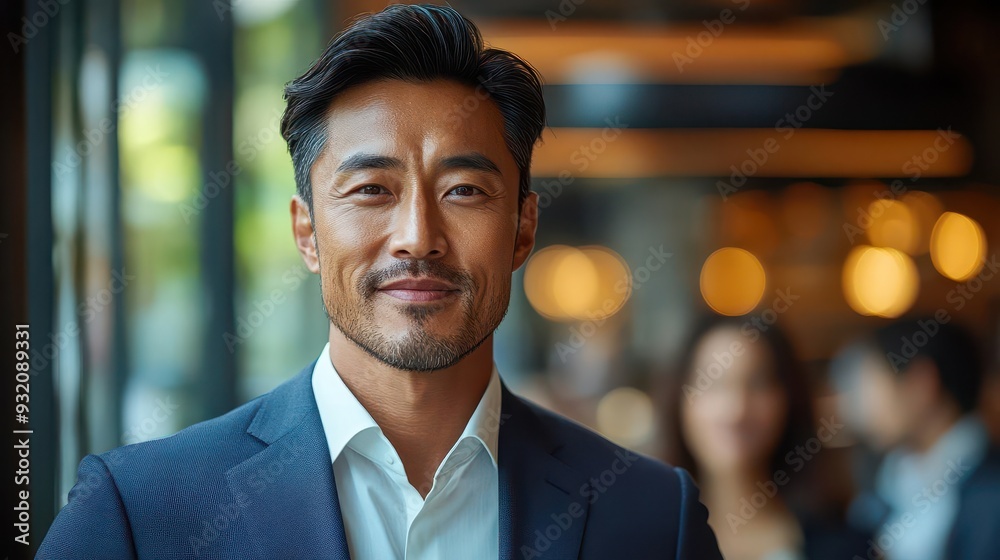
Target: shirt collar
{"points": [[962, 446], [344, 417]]}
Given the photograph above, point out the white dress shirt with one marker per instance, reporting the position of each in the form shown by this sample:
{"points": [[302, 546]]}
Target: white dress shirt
{"points": [[384, 515]]}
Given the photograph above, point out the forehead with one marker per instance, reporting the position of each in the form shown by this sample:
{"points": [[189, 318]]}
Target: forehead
{"points": [[432, 118]]}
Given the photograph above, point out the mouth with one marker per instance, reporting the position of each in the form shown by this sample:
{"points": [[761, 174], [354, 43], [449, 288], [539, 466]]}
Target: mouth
{"points": [[415, 290]]}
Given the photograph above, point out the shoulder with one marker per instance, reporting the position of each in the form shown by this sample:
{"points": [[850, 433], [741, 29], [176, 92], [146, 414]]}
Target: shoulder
{"points": [[981, 488], [218, 443], [190, 466], [636, 504], [976, 529], [212, 442]]}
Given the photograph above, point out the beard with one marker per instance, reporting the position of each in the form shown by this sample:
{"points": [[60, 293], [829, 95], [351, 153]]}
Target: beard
{"points": [[417, 348]]}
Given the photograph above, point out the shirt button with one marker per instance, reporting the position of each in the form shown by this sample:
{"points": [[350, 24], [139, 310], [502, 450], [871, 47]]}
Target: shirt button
{"points": [[390, 459]]}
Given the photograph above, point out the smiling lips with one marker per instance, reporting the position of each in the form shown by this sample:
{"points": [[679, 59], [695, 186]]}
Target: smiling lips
{"points": [[419, 289]]}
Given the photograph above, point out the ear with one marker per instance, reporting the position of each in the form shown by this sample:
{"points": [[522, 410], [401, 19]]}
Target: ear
{"points": [[526, 226], [305, 238]]}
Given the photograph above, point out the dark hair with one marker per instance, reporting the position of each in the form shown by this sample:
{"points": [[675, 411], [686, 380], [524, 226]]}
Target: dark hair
{"points": [[799, 423], [952, 349], [412, 43]]}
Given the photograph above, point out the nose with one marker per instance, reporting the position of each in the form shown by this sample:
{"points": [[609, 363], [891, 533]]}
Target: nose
{"points": [[418, 228]]}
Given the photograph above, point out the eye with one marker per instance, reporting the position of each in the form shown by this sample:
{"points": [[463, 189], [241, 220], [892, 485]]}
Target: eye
{"points": [[465, 190], [371, 190]]}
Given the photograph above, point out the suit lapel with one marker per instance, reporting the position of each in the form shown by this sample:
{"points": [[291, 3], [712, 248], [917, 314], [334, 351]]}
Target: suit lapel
{"points": [[288, 496], [287, 491], [542, 510]]}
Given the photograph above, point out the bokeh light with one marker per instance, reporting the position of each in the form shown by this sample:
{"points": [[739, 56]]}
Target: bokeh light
{"points": [[565, 283], [732, 281], [880, 281], [958, 246], [893, 224], [614, 281], [625, 415]]}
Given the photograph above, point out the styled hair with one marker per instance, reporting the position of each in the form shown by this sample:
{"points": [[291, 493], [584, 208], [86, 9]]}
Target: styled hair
{"points": [[415, 43], [788, 372], [951, 348]]}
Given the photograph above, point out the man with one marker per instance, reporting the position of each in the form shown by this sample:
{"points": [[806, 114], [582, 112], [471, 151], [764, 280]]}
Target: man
{"points": [[412, 147], [914, 394]]}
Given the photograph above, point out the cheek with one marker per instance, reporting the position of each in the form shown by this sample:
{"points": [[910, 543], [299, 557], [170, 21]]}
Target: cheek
{"points": [[347, 247], [697, 417], [484, 247]]}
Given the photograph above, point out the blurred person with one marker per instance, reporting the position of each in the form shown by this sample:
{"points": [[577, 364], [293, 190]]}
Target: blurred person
{"points": [[411, 144], [913, 394], [741, 420]]}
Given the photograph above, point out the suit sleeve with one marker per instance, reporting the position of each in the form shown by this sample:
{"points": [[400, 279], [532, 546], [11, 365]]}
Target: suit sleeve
{"points": [[695, 540], [94, 523]]}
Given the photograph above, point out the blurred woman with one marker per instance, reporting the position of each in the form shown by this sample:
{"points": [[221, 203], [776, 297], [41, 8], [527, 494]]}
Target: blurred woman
{"points": [[742, 424]]}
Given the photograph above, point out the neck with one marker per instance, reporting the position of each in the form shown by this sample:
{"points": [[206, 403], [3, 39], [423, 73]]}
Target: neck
{"points": [[934, 426], [421, 413]]}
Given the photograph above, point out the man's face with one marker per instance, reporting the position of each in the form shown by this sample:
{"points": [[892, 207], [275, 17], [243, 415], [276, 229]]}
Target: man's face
{"points": [[885, 411], [417, 230]]}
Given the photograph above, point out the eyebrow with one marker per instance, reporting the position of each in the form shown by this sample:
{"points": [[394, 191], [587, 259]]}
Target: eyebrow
{"points": [[472, 160], [362, 161]]}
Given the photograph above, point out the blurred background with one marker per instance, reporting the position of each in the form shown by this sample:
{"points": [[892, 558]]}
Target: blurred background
{"points": [[822, 166]]}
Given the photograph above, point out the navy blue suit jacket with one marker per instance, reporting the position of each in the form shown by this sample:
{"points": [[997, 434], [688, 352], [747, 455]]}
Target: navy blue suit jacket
{"points": [[258, 483], [975, 535]]}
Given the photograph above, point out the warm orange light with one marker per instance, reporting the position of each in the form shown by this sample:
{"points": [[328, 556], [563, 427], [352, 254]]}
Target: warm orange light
{"points": [[614, 282], [732, 281], [574, 51], [634, 152], [745, 219], [893, 225], [565, 283], [625, 415], [958, 246], [538, 281], [926, 210], [880, 281]]}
